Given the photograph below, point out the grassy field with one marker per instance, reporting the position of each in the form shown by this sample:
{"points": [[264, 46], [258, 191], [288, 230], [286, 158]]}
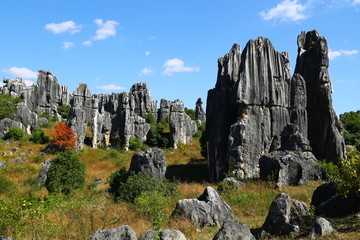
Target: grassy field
{"points": [[28, 212]]}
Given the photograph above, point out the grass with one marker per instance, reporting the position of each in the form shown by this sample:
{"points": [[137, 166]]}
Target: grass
{"points": [[79, 215]]}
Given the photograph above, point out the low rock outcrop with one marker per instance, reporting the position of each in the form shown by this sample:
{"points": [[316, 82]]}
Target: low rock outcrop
{"points": [[151, 162], [293, 163], [234, 230], [168, 234], [320, 228], [255, 97], [207, 209], [120, 233], [285, 215]]}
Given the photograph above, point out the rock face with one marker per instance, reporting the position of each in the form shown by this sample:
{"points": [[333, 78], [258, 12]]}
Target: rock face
{"points": [[206, 210], [99, 119], [234, 230], [200, 115], [151, 162], [120, 233], [284, 215], [254, 98], [168, 234], [292, 163]]}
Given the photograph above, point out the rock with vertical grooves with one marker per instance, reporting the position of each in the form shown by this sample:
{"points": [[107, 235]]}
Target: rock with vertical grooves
{"points": [[200, 115], [151, 162], [164, 110]]}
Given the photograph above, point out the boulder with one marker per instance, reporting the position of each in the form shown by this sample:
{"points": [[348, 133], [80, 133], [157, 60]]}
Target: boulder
{"points": [[2, 165], [323, 193], [234, 230], [151, 162], [45, 168], [285, 214], [168, 234], [120, 233], [16, 160], [207, 209], [5, 238], [320, 228]]}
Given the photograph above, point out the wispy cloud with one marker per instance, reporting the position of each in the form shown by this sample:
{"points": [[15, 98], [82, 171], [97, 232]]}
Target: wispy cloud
{"points": [[334, 54], [176, 65], [146, 71], [68, 26], [87, 43], [287, 11], [67, 45], [106, 29], [147, 53], [356, 2], [110, 87], [152, 37], [20, 72]]}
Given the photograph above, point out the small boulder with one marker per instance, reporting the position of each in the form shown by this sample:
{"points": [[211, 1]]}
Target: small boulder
{"points": [[5, 238], [207, 209], [2, 165], [151, 162], [16, 160], [234, 230], [45, 168], [168, 234], [15, 150], [320, 228], [23, 155], [284, 216], [120, 233], [7, 153]]}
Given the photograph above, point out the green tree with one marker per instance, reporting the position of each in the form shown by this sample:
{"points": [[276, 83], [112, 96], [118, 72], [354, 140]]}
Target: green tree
{"points": [[39, 136], [66, 173], [15, 133], [7, 106], [64, 111], [190, 113], [351, 124]]}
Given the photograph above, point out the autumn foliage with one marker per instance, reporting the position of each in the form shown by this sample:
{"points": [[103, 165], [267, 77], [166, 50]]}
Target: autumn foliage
{"points": [[63, 137]]}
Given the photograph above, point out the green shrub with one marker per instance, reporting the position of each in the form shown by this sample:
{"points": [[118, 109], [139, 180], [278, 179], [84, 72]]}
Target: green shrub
{"points": [[15, 133], [190, 113], [136, 144], [6, 185], [226, 186], [64, 111], [66, 173], [39, 136], [152, 205], [351, 124], [7, 105], [128, 187], [45, 115], [200, 131]]}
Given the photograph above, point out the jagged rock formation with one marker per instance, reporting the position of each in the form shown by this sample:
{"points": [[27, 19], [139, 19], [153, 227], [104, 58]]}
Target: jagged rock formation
{"points": [[200, 115], [293, 163], [254, 98], [207, 209], [108, 119], [151, 162]]}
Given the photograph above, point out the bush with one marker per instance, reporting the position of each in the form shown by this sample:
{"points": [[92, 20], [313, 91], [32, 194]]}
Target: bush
{"points": [[190, 113], [64, 111], [227, 186], [127, 187], [65, 174], [15, 133], [7, 105], [45, 115], [39, 136], [136, 144], [351, 124], [158, 136]]}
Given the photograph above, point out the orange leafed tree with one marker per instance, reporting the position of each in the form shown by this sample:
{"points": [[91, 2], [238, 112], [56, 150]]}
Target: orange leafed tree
{"points": [[63, 137]]}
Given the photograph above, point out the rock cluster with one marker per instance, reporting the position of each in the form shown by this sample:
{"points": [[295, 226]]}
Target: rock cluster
{"points": [[151, 162], [108, 119], [255, 97]]}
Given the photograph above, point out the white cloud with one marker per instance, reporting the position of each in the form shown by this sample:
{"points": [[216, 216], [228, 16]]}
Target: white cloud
{"points": [[68, 26], [177, 65], [21, 72], [152, 37], [286, 11], [67, 45], [110, 87], [106, 29], [146, 71], [334, 54], [147, 53], [356, 2], [87, 43]]}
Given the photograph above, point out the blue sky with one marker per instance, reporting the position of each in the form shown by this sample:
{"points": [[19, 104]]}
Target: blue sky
{"points": [[173, 46]]}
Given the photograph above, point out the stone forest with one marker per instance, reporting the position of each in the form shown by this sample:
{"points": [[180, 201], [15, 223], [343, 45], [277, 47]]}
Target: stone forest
{"points": [[133, 168]]}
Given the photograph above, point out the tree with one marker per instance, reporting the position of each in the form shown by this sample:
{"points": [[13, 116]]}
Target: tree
{"points": [[64, 110], [66, 173], [63, 138], [190, 113], [7, 105], [351, 123]]}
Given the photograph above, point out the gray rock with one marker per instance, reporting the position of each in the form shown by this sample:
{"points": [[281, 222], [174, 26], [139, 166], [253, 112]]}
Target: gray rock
{"points": [[200, 115], [23, 155], [168, 234], [5, 124], [5, 238], [120, 233], [320, 228], [42, 122], [45, 169], [235, 181], [324, 128], [42, 154], [2, 165], [30, 152], [7, 153], [164, 110], [16, 160], [6, 147], [234, 230], [15, 150], [207, 209], [284, 216], [151, 162]]}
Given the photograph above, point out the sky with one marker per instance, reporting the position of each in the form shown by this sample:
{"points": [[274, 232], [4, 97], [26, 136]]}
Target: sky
{"points": [[173, 46]]}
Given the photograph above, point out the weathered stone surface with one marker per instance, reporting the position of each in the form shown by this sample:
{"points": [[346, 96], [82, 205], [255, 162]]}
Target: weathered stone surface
{"points": [[254, 99], [151, 162], [284, 215], [5, 238], [2, 165], [120, 233], [320, 228], [168, 234], [5, 124], [200, 115], [164, 110], [16, 160], [324, 130], [234, 230], [182, 128], [45, 168], [207, 209]]}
